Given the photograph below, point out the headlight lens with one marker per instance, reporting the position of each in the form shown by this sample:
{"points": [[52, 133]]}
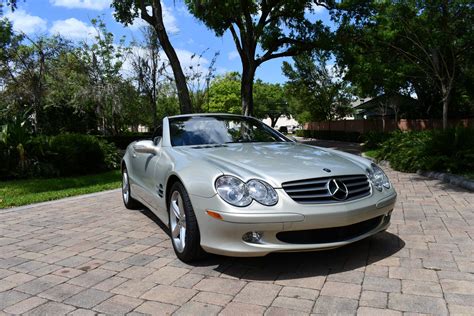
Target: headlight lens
{"points": [[262, 192], [233, 191], [378, 178], [236, 192]]}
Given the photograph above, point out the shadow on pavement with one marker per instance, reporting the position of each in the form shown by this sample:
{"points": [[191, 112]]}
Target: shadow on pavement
{"points": [[297, 265], [286, 266], [438, 184]]}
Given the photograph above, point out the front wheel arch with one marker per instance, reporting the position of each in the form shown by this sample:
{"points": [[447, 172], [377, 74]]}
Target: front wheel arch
{"points": [[129, 202], [193, 250], [123, 165], [172, 179]]}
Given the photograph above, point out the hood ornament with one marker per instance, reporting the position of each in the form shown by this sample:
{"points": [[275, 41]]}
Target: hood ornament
{"points": [[327, 170]]}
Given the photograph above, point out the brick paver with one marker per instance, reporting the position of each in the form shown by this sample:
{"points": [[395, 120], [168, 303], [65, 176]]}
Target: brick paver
{"points": [[91, 255]]}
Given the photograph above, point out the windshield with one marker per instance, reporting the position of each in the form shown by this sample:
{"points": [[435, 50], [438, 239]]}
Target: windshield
{"points": [[205, 130]]}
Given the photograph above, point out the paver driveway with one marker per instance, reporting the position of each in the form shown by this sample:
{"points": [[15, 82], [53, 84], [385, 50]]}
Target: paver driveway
{"points": [[91, 255]]}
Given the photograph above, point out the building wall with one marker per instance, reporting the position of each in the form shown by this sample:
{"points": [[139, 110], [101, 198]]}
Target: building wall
{"points": [[364, 126]]}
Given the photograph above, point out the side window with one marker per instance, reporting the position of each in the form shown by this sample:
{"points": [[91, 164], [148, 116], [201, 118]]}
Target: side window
{"points": [[157, 135]]}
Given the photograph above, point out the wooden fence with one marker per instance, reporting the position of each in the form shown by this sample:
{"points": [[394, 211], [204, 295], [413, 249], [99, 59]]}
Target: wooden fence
{"points": [[364, 126]]}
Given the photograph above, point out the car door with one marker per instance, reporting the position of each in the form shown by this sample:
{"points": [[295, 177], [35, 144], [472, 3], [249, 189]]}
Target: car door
{"points": [[161, 170], [141, 165], [150, 184]]}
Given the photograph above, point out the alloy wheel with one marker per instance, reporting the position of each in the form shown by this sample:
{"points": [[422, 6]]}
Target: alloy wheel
{"points": [[125, 187], [177, 221]]}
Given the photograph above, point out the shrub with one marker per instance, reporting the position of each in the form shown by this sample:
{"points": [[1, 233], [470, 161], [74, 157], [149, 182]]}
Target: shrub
{"points": [[300, 132], [14, 140], [39, 152], [122, 141], [451, 150], [74, 154], [111, 156], [52, 156], [373, 140], [403, 150]]}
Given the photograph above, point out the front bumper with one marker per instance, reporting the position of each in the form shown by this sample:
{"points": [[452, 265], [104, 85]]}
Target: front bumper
{"points": [[225, 236]]}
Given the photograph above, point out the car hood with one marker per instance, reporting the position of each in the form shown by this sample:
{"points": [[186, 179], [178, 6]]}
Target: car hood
{"points": [[275, 162]]}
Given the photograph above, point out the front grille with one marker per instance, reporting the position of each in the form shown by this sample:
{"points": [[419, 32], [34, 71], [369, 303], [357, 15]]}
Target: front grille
{"points": [[329, 235], [315, 191]]}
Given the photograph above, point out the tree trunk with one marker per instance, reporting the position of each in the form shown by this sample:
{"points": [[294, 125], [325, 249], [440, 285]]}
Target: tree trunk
{"points": [[246, 89], [180, 79], [396, 117], [153, 96], [274, 120], [446, 93]]}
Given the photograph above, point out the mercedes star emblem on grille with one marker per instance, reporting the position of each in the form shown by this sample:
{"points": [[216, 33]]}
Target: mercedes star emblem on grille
{"points": [[337, 189]]}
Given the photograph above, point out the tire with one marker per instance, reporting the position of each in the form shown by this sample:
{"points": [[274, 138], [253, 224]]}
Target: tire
{"points": [[128, 201], [184, 230]]}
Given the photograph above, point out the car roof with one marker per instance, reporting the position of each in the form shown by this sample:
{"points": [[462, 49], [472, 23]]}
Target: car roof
{"points": [[206, 114]]}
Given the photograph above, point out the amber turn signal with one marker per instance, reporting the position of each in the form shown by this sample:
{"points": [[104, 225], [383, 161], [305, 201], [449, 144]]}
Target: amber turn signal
{"points": [[214, 214]]}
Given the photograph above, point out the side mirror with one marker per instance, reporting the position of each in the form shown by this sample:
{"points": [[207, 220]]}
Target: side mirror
{"points": [[157, 140], [145, 148]]}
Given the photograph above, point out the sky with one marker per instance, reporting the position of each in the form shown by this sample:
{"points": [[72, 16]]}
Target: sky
{"points": [[71, 19]]}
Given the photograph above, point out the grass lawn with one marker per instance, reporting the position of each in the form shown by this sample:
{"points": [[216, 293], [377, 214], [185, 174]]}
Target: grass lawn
{"points": [[22, 192], [469, 175], [371, 153]]}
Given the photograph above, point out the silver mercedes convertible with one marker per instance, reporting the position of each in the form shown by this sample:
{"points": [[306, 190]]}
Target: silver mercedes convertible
{"points": [[231, 185]]}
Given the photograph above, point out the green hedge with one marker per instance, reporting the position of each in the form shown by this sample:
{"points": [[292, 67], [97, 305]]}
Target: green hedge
{"points": [[61, 155], [122, 141], [373, 140], [76, 154], [435, 150]]}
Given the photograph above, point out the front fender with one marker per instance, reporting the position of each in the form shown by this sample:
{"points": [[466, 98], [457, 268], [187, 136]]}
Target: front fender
{"points": [[199, 181], [197, 175]]}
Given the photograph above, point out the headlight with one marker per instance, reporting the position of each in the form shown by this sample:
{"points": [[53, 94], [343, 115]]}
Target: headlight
{"points": [[236, 192], [233, 191], [378, 178], [262, 192]]}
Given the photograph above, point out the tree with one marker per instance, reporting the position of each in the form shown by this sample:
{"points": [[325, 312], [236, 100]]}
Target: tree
{"points": [[68, 105], [149, 70], [199, 81], [127, 10], [262, 30], [432, 38], [270, 101], [104, 60], [9, 3], [224, 94], [46, 81], [169, 104], [24, 66], [314, 91], [9, 42]]}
